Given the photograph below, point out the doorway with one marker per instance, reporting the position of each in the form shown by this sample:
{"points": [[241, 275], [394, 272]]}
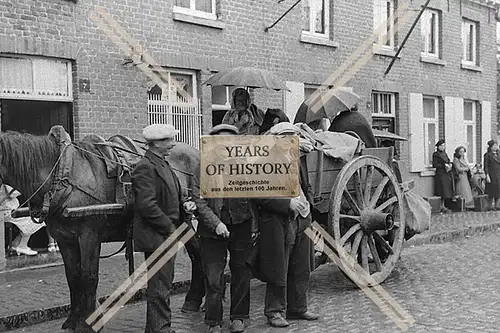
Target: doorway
{"points": [[35, 117]]}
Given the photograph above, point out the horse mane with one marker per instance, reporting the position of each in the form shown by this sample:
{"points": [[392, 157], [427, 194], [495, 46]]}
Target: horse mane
{"points": [[24, 154]]}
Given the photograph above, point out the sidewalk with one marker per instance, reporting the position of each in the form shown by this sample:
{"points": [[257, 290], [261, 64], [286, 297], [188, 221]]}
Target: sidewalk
{"points": [[37, 295]]}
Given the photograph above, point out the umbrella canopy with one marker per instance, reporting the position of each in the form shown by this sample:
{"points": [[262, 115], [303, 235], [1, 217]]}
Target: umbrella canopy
{"points": [[342, 100], [387, 135], [247, 77]]}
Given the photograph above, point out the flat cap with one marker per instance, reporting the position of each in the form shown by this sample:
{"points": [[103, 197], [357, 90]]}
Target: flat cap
{"points": [[224, 127], [159, 132], [282, 128]]}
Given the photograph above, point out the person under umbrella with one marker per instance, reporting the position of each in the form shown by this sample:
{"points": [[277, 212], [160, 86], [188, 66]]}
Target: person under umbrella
{"points": [[443, 182], [247, 117]]}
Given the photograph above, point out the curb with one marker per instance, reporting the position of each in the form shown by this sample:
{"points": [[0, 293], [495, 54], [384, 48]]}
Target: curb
{"points": [[33, 317], [450, 235], [28, 318]]}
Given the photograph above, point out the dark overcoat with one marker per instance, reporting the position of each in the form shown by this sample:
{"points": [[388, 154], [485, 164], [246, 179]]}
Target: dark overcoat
{"points": [[158, 202], [277, 229], [492, 168], [443, 181]]}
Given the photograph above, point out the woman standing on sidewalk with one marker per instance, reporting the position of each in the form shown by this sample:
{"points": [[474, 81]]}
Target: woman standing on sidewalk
{"points": [[443, 183], [492, 171], [463, 172]]}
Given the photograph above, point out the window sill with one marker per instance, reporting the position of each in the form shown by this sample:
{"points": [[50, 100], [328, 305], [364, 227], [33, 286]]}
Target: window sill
{"points": [[432, 60], [383, 51], [181, 17], [431, 172], [471, 67], [318, 40]]}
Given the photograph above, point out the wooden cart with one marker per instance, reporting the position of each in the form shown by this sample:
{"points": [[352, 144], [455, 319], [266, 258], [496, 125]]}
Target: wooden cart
{"points": [[360, 203]]}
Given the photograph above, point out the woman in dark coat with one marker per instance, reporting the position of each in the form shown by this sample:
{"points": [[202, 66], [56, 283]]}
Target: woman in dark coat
{"points": [[443, 181], [492, 171]]}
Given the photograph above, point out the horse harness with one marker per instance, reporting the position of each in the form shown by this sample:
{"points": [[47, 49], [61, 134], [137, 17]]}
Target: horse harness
{"points": [[62, 183]]}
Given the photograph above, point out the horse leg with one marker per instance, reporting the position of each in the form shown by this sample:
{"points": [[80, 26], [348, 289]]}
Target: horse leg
{"points": [[90, 249], [71, 256]]}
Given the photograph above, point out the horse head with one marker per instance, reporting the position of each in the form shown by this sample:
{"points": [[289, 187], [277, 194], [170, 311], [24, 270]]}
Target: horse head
{"points": [[26, 162]]}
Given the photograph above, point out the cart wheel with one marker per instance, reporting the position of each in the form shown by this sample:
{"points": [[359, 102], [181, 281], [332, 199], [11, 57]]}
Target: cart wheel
{"points": [[366, 217]]}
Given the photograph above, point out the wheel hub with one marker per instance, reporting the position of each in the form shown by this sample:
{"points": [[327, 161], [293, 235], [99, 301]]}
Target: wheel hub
{"points": [[372, 220]]}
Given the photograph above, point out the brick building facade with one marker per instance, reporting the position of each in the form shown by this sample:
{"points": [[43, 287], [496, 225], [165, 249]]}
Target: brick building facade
{"points": [[445, 77]]}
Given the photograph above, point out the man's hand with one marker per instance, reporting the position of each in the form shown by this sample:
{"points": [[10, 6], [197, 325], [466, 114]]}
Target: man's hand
{"points": [[189, 207], [221, 230], [296, 206], [488, 179]]}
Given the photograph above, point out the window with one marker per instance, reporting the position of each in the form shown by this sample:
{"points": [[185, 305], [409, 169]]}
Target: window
{"points": [[470, 126], [176, 103], [316, 17], [430, 29], [470, 41], [200, 8], [431, 127], [383, 104], [221, 103], [384, 112], [35, 78], [383, 22]]}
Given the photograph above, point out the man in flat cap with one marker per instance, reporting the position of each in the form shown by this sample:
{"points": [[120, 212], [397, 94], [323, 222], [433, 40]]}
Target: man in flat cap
{"points": [[158, 211]]}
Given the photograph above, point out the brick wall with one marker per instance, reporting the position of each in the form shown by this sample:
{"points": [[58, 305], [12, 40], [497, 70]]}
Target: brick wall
{"points": [[117, 102]]}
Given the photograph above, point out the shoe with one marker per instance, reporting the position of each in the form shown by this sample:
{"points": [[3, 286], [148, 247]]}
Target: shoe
{"points": [[302, 316], [237, 326], [215, 329], [24, 250], [277, 320], [52, 247]]}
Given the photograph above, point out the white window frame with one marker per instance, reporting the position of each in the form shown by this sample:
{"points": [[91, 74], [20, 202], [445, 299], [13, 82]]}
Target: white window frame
{"points": [[427, 121], [32, 93], [466, 24], [392, 96], [474, 129], [425, 28], [223, 107], [312, 20], [198, 13], [380, 19]]}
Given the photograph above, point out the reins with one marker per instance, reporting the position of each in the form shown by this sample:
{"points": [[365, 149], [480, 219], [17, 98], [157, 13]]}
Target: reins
{"points": [[44, 182]]}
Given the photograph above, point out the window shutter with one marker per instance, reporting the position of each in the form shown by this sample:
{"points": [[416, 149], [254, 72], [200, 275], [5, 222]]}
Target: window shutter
{"points": [[293, 98], [450, 123], [485, 124], [460, 132], [416, 132]]}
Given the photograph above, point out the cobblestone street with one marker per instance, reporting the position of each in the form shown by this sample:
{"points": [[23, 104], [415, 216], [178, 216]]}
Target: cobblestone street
{"points": [[451, 287]]}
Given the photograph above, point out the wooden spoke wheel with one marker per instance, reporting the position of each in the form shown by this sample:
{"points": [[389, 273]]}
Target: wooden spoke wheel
{"points": [[366, 217]]}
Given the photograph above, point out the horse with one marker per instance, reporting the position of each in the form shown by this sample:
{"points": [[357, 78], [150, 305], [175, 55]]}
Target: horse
{"points": [[31, 164]]}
